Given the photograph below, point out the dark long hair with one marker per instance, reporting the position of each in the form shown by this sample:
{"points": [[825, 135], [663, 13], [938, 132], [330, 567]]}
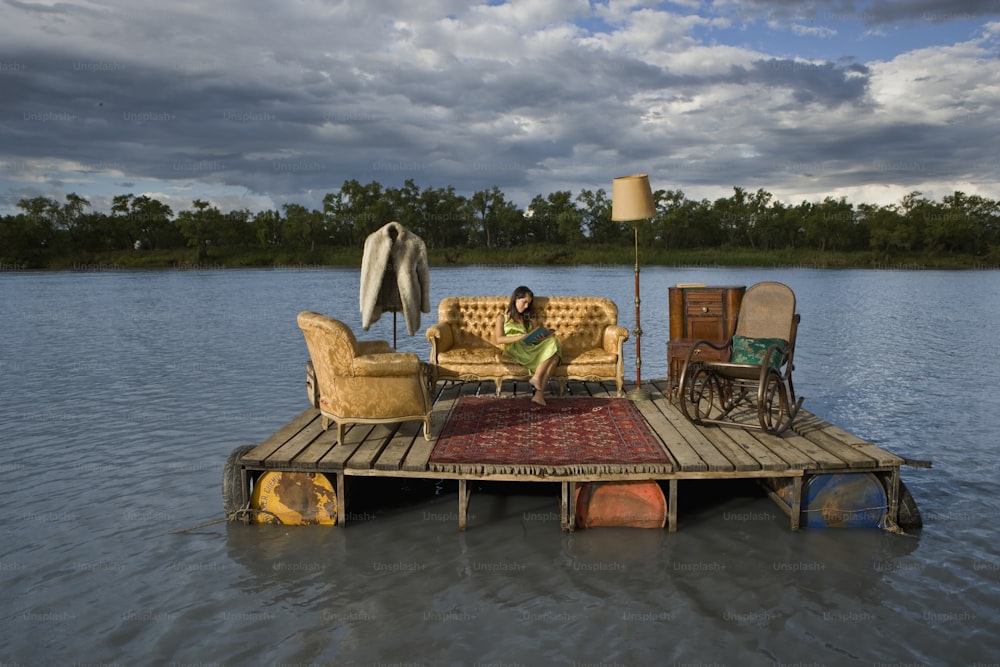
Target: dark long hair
{"points": [[528, 315]]}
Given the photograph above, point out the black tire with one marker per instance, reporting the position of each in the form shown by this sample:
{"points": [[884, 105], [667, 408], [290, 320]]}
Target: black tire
{"points": [[234, 496], [909, 513]]}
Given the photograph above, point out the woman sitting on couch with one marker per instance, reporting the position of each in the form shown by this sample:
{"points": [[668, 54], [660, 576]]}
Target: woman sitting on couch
{"points": [[541, 356]]}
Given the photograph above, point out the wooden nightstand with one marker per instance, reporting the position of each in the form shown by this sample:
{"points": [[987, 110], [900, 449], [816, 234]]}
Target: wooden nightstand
{"points": [[699, 312]]}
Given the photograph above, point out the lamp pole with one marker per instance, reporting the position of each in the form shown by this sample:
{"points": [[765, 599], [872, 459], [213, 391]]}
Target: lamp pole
{"points": [[638, 394], [632, 200]]}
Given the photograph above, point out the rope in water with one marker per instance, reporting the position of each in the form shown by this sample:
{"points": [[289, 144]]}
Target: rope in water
{"points": [[232, 516]]}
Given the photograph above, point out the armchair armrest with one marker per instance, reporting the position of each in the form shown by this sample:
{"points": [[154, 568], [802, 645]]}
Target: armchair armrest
{"points": [[614, 338], [440, 337], [373, 346], [389, 364]]}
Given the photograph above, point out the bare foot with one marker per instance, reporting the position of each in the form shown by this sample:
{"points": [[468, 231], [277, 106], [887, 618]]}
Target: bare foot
{"points": [[539, 399]]}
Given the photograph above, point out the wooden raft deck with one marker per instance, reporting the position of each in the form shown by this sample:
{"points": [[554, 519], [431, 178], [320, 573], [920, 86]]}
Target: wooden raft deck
{"points": [[811, 446]]}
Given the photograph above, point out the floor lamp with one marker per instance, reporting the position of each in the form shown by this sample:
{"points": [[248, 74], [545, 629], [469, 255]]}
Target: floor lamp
{"points": [[631, 201]]}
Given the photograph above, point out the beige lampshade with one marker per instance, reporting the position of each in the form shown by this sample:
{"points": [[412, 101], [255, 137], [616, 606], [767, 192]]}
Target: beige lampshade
{"points": [[631, 198]]}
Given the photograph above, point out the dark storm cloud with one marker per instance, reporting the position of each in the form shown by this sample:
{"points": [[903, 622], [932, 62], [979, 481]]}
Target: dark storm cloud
{"points": [[875, 13], [823, 83], [286, 101]]}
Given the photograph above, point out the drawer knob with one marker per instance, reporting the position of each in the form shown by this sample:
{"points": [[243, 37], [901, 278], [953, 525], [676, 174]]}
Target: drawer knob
{"points": [[704, 309]]}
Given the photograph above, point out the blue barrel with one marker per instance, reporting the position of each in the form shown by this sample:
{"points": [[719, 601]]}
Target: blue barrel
{"points": [[839, 500]]}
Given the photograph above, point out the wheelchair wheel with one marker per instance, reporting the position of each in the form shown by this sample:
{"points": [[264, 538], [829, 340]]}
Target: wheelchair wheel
{"points": [[775, 405], [703, 396]]}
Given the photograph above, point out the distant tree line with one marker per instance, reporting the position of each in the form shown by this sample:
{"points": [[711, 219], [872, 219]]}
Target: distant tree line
{"points": [[46, 228]]}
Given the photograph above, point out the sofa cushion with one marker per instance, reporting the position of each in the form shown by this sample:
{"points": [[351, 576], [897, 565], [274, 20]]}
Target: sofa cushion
{"points": [[469, 355]]}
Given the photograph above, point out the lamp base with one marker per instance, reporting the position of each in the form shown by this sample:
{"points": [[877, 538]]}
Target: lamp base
{"points": [[638, 394]]}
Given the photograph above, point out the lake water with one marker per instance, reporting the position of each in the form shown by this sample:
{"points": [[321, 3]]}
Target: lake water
{"points": [[124, 392]]}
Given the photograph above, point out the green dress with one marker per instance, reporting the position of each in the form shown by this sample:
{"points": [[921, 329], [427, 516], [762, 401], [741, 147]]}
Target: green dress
{"points": [[530, 356]]}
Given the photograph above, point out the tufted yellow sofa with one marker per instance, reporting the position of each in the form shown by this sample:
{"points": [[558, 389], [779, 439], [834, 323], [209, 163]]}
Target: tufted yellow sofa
{"points": [[463, 340]]}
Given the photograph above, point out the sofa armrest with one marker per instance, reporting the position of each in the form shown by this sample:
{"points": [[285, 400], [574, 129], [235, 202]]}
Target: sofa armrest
{"points": [[614, 338], [373, 346], [441, 338], [389, 364]]}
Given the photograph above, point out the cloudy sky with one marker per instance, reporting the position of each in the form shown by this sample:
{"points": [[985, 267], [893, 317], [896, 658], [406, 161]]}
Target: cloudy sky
{"points": [[254, 103]]}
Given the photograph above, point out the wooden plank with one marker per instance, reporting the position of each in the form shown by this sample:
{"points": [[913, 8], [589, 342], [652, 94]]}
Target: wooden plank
{"points": [[682, 453], [728, 447], [672, 506], [806, 421], [765, 458], [369, 450], [850, 455], [283, 456], [337, 458], [420, 452], [792, 456], [697, 438], [308, 458], [733, 444], [812, 426], [712, 442], [598, 389], [394, 453], [819, 458], [796, 509], [341, 500], [463, 504], [257, 455]]}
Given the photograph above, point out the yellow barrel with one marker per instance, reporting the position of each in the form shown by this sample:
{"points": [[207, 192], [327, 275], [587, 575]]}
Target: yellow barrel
{"points": [[294, 498]]}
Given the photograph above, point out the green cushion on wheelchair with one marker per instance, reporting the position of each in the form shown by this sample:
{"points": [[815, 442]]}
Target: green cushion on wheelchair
{"points": [[752, 350]]}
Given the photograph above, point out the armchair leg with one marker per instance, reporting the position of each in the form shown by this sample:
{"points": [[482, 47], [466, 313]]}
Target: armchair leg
{"points": [[427, 428]]}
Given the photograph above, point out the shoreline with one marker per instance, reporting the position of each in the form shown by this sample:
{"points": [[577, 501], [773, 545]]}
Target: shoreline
{"points": [[536, 255]]}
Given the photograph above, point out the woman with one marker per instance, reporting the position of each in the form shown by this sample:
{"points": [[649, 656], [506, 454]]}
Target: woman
{"points": [[512, 328]]}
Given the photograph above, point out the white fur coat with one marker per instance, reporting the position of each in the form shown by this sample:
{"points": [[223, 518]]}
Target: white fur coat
{"points": [[407, 254]]}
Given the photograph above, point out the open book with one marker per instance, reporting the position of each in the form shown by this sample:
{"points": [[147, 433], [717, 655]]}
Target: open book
{"points": [[536, 335]]}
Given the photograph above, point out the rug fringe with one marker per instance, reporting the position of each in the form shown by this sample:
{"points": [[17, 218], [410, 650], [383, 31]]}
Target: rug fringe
{"points": [[483, 469]]}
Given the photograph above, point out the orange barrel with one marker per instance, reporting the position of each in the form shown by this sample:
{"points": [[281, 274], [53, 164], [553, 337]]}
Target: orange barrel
{"points": [[838, 500], [294, 498], [633, 504]]}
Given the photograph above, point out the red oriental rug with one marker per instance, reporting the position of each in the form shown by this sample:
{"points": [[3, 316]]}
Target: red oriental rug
{"points": [[571, 436]]}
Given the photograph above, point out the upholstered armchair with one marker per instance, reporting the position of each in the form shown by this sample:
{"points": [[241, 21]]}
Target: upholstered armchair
{"points": [[364, 382]]}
